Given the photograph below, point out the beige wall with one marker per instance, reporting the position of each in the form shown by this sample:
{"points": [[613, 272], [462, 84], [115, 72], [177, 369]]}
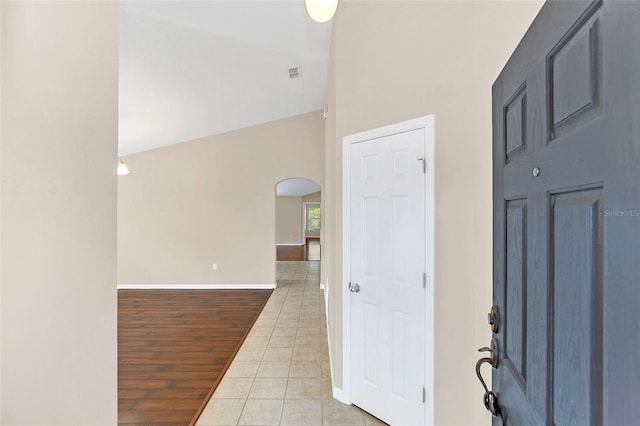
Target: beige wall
{"points": [[312, 198], [396, 60], [330, 276], [289, 220], [59, 140], [212, 200]]}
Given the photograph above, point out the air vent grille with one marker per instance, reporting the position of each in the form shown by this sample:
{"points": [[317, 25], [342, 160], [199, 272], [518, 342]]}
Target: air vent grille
{"points": [[294, 72]]}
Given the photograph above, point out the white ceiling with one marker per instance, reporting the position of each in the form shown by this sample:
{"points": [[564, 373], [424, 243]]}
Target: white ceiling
{"points": [[296, 187], [190, 69]]}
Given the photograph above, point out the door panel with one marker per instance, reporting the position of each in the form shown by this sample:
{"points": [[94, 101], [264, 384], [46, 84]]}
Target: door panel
{"points": [[401, 352], [370, 373], [566, 114], [516, 291], [387, 255], [574, 75], [577, 307], [515, 129], [400, 243], [369, 243]]}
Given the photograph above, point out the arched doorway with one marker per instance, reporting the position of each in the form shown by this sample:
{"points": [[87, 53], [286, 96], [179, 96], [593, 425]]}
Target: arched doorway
{"points": [[298, 220]]}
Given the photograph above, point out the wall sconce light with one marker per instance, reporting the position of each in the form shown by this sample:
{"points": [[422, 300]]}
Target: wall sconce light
{"points": [[321, 10], [122, 168]]}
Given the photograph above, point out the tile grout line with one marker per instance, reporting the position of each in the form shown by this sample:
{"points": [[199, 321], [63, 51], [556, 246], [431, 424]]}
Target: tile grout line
{"points": [[298, 295]]}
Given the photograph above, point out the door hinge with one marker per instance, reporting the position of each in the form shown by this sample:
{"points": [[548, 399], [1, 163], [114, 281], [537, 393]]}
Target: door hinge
{"points": [[424, 395], [424, 280], [424, 165]]}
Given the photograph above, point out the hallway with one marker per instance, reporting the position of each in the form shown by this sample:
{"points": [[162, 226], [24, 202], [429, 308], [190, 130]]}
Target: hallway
{"points": [[281, 375]]}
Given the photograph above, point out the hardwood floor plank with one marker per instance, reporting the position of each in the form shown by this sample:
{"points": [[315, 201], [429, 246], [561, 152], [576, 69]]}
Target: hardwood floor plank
{"points": [[173, 348], [179, 392], [155, 418]]}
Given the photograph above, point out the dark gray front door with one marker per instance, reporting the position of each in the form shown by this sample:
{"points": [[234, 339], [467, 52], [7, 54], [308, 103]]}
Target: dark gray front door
{"points": [[566, 125]]}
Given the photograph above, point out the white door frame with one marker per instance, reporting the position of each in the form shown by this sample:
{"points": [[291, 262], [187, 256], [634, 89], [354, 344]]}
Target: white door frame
{"points": [[426, 123]]}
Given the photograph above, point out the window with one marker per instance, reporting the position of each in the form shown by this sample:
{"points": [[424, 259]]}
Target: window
{"points": [[313, 217]]}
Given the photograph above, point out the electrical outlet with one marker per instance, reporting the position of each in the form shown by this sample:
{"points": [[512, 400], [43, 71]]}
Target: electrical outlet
{"points": [[215, 266]]}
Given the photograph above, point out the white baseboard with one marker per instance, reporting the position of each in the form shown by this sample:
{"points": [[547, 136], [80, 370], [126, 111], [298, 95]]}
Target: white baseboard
{"points": [[338, 393], [325, 288], [269, 286], [340, 396]]}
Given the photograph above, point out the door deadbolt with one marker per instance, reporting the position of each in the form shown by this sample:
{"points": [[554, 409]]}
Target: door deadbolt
{"points": [[492, 318]]}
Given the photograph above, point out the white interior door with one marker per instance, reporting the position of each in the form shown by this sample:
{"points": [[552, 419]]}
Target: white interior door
{"points": [[387, 273]]}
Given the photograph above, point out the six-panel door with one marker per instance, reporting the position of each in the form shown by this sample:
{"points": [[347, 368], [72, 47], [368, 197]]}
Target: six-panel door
{"points": [[566, 221]]}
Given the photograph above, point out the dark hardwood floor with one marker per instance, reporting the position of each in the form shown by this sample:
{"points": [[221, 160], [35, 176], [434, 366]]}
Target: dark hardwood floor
{"points": [[174, 347]]}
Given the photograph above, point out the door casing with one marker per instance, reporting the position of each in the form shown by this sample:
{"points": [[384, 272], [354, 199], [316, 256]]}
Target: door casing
{"points": [[428, 124]]}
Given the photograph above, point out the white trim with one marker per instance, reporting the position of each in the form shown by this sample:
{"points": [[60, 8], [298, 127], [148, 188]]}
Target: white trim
{"points": [[430, 230], [340, 395], [337, 393], [325, 288], [346, 269], [428, 124], [197, 286], [289, 244]]}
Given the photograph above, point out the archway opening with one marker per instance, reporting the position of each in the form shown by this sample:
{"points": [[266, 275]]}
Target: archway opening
{"points": [[298, 220]]}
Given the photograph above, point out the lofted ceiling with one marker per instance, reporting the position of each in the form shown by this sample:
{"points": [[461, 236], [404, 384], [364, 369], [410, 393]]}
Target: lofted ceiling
{"points": [[190, 69]]}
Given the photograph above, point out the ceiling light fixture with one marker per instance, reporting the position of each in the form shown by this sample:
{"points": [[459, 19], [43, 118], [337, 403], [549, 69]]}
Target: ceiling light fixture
{"points": [[321, 10], [122, 168]]}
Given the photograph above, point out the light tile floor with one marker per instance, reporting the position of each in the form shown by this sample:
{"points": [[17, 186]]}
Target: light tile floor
{"points": [[281, 374]]}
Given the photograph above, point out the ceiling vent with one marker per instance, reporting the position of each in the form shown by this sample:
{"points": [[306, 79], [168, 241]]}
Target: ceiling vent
{"points": [[294, 72]]}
